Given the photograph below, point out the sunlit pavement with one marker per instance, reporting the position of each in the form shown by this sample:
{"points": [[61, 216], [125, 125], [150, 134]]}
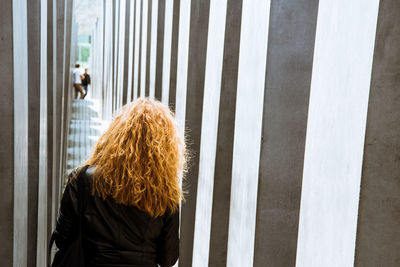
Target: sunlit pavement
{"points": [[84, 130]]}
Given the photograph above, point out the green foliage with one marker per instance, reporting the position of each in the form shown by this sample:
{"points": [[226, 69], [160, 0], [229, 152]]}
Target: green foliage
{"points": [[85, 53]]}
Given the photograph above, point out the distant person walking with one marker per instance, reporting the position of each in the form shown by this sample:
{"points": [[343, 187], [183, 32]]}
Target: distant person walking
{"points": [[86, 81], [78, 77]]}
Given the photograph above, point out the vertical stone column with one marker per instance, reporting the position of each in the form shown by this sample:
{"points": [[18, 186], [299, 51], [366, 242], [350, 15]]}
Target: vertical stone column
{"points": [[117, 35], [139, 47], [225, 135], [182, 63], [108, 60], [160, 49], [166, 61], [207, 250], [7, 133], [136, 55], [21, 150], [67, 88], [344, 46], [247, 140], [148, 47], [43, 189], [131, 52], [174, 55], [153, 48], [122, 40], [287, 89], [126, 63], [57, 105], [143, 48], [51, 85], [194, 109], [378, 234], [35, 117], [114, 53], [14, 134]]}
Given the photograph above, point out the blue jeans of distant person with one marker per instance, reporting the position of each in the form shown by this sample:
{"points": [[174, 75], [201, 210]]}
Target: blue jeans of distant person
{"points": [[85, 88]]}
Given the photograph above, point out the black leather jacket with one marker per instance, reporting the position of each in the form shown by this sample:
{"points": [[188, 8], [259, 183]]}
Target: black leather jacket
{"points": [[116, 235]]}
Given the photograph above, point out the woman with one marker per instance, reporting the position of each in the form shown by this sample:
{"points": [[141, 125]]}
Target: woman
{"points": [[132, 192]]}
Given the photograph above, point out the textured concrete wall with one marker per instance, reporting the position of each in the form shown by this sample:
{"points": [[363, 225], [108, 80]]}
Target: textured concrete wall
{"points": [[7, 133], [51, 84], [67, 90], [288, 78], [127, 38], [194, 107], [335, 133], [159, 49], [34, 81], [213, 61], [247, 139], [203, 245], [57, 103], [378, 235], [43, 202], [28, 65], [20, 155]]}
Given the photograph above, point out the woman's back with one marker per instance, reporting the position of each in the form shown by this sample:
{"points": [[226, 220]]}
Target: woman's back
{"points": [[116, 234], [132, 192]]}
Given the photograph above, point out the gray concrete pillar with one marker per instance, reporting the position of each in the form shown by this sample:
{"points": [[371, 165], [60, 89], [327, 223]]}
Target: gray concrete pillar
{"points": [[7, 134], [51, 85], [114, 35], [57, 105], [108, 60], [225, 137], [148, 47], [287, 90], [335, 133], [174, 55], [116, 40], [122, 51], [35, 81], [378, 233], [67, 88], [160, 49], [153, 48], [14, 134], [43, 188], [141, 57], [126, 52], [137, 45], [194, 107], [132, 79]]}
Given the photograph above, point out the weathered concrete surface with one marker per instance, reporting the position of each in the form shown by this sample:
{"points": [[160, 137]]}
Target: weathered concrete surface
{"points": [[194, 111], [34, 19], [174, 55], [51, 81], [160, 49], [7, 133], [20, 155], [57, 103], [126, 64], [225, 137], [378, 235], [343, 54], [288, 79]]}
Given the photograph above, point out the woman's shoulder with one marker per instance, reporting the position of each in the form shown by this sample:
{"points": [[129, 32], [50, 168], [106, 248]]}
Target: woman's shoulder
{"points": [[80, 175]]}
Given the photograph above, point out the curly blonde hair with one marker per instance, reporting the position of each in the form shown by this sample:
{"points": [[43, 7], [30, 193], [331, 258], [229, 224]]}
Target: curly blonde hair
{"points": [[139, 159]]}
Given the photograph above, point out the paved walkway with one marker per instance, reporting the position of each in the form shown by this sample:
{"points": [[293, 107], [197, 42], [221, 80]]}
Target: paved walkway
{"points": [[84, 130]]}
